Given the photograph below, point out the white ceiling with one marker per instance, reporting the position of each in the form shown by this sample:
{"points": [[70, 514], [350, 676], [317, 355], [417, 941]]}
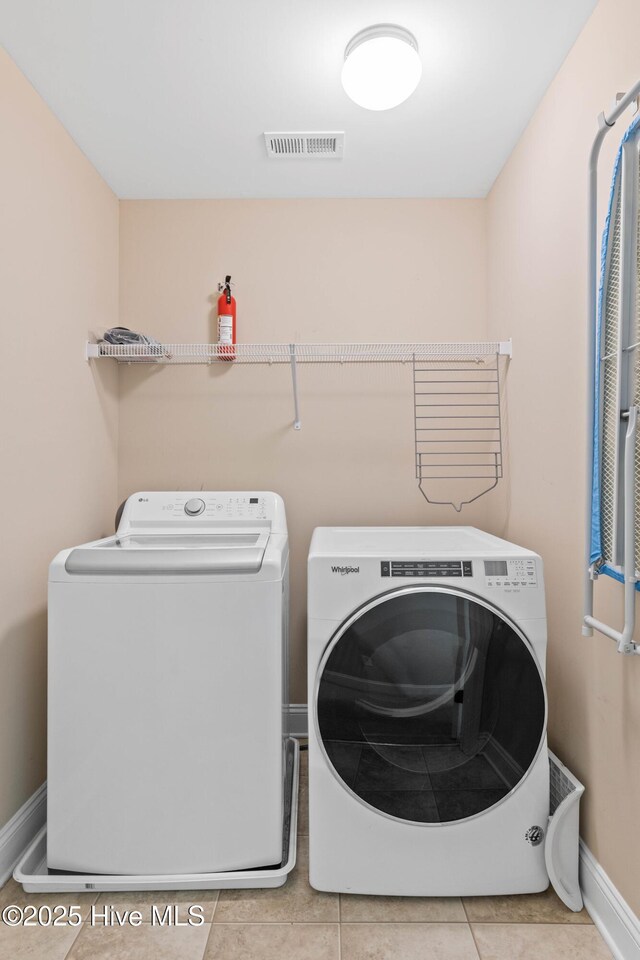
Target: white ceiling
{"points": [[169, 98]]}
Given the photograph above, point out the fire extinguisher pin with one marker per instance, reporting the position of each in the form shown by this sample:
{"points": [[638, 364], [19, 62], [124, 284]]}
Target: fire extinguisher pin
{"points": [[226, 287]]}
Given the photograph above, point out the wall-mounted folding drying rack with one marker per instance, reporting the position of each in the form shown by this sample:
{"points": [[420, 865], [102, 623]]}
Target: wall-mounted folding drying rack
{"points": [[458, 434], [458, 429], [612, 522]]}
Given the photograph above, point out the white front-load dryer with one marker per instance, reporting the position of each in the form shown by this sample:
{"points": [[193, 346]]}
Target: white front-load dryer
{"points": [[428, 764]]}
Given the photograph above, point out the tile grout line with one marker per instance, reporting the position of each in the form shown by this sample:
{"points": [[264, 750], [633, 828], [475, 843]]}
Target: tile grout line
{"points": [[206, 943], [423, 922], [308, 923], [475, 942], [528, 923], [80, 929], [215, 907]]}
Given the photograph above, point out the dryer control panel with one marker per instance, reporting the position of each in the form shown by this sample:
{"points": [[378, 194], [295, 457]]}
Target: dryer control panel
{"points": [[510, 573], [426, 568]]}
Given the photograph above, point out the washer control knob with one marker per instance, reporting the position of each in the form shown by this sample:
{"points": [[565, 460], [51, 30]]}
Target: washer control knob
{"points": [[194, 507]]}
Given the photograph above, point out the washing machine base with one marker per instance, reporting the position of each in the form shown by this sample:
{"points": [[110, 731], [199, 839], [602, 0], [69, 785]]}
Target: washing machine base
{"points": [[33, 874]]}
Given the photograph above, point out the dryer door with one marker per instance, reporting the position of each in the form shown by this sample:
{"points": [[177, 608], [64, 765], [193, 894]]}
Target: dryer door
{"points": [[430, 705]]}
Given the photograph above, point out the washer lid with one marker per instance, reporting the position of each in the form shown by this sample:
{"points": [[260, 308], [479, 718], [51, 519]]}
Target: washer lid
{"points": [[166, 554]]}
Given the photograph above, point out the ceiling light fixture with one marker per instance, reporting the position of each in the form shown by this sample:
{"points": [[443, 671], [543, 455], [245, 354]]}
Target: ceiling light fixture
{"points": [[381, 66]]}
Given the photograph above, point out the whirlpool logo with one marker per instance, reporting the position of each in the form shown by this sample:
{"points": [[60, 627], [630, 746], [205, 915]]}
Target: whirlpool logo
{"points": [[343, 571]]}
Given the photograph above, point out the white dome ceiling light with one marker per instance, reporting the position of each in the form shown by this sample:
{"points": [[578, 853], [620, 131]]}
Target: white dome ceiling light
{"points": [[381, 67]]}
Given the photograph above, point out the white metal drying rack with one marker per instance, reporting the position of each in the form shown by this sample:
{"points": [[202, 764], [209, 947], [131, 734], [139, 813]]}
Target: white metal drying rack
{"points": [[294, 353], [624, 637]]}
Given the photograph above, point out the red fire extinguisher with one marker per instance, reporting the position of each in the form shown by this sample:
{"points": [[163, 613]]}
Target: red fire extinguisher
{"points": [[226, 321]]}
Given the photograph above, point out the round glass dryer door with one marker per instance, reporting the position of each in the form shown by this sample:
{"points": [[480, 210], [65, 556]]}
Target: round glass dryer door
{"points": [[430, 706]]}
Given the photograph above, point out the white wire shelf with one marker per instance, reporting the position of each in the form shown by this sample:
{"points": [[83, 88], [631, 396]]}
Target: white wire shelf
{"points": [[466, 356], [176, 353]]}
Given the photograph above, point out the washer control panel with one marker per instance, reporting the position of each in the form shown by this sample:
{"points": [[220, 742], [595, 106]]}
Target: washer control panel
{"points": [[217, 511], [237, 506], [510, 573], [203, 507], [194, 507]]}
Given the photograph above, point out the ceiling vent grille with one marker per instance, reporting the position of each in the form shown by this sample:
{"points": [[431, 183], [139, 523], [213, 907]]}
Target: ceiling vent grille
{"points": [[305, 146]]}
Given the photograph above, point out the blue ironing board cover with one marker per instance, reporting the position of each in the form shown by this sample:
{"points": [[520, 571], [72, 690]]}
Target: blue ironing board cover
{"points": [[595, 552]]}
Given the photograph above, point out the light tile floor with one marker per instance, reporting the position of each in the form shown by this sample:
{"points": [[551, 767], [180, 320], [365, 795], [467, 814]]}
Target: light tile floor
{"points": [[295, 922]]}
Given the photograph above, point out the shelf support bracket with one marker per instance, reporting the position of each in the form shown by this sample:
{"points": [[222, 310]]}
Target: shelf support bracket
{"points": [[294, 381]]}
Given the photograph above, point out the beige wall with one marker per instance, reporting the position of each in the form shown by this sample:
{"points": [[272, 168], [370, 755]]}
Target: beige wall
{"points": [[350, 270], [363, 270], [58, 429], [537, 291]]}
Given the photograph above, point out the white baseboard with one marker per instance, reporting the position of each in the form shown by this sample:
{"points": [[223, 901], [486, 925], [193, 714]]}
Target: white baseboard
{"points": [[298, 723], [612, 915], [20, 831]]}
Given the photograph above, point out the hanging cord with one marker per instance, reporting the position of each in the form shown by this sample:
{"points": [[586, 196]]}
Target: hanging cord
{"points": [[124, 335]]}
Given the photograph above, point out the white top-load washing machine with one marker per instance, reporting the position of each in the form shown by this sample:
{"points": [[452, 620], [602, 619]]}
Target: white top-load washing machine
{"points": [[428, 765], [167, 687]]}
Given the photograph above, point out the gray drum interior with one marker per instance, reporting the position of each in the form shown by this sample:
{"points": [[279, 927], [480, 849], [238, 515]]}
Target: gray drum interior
{"points": [[430, 705]]}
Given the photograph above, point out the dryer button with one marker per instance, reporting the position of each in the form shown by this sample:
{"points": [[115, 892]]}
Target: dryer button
{"points": [[193, 507]]}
